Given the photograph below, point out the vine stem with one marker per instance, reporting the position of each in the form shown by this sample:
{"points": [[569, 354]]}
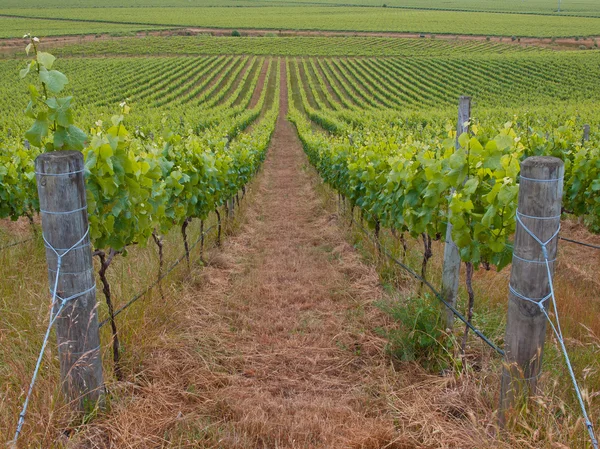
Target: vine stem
{"points": [[427, 253], [184, 227], [202, 242], [469, 283], [219, 227], [105, 261], [159, 242]]}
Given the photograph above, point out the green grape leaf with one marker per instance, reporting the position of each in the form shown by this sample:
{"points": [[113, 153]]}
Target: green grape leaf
{"points": [[45, 59], [60, 111], [53, 79], [24, 72], [69, 138], [493, 162], [29, 112], [38, 130]]}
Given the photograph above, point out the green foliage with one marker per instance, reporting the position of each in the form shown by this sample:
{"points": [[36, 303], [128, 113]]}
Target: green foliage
{"points": [[235, 33], [53, 128], [137, 184], [417, 335], [409, 176], [324, 17]]}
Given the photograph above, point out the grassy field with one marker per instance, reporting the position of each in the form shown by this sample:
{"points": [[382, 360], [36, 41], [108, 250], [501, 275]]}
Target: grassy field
{"points": [[568, 7], [16, 27], [332, 18]]}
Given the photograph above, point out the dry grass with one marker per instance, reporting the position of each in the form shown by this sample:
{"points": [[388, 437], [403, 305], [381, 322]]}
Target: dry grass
{"points": [[24, 313], [553, 419]]}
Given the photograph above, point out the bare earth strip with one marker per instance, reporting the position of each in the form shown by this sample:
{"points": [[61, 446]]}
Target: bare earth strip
{"points": [[259, 85]]}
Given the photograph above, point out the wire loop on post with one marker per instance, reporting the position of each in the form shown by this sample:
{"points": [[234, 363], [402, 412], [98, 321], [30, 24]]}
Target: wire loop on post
{"points": [[556, 328], [56, 300], [67, 212], [61, 174]]}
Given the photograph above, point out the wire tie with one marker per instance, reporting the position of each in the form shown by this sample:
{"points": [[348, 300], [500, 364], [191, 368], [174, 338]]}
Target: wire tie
{"points": [[63, 213], [532, 261], [541, 180], [75, 296], [538, 218], [72, 273], [60, 174]]}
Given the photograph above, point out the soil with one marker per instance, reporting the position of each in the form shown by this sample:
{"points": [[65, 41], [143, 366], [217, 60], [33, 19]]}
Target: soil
{"points": [[260, 85]]}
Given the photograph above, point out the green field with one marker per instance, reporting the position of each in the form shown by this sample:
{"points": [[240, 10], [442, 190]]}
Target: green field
{"points": [[292, 46], [409, 74], [16, 27], [568, 7], [332, 18]]}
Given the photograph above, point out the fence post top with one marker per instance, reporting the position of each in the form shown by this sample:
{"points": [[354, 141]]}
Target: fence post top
{"points": [[542, 168], [59, 163], [59, 155]]}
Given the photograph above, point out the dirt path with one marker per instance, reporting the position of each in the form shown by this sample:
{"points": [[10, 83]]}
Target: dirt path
{"points": [[303, 368], [276, 346]]}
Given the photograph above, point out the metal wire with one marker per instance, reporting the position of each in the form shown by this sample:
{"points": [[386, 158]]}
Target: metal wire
{"points": [[589, 245], [20, 242], [437, 294], [155, 283], [61, 302], [556, 329]]}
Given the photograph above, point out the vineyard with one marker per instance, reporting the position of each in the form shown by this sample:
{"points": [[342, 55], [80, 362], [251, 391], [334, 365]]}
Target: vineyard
{"points": [[178, 89], [228, 295], [569, 7], [293, 46], [320, 18]]}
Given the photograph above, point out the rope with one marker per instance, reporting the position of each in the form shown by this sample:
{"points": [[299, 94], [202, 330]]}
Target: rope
{"points": [[56, 300], [432, 288], [151, 286], [541, 180], [556, 329]]}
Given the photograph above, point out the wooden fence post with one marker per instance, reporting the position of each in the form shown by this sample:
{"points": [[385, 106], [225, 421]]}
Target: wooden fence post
{"points": [[451, 268], [61, 190], [231, 209], [539, 209], [586, 133]]}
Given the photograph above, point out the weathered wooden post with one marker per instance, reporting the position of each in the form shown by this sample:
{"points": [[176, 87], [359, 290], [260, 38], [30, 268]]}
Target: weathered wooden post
{"points": [[231, 208], [451, 268], [586, 133], [539, 208], [61, 191]]}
